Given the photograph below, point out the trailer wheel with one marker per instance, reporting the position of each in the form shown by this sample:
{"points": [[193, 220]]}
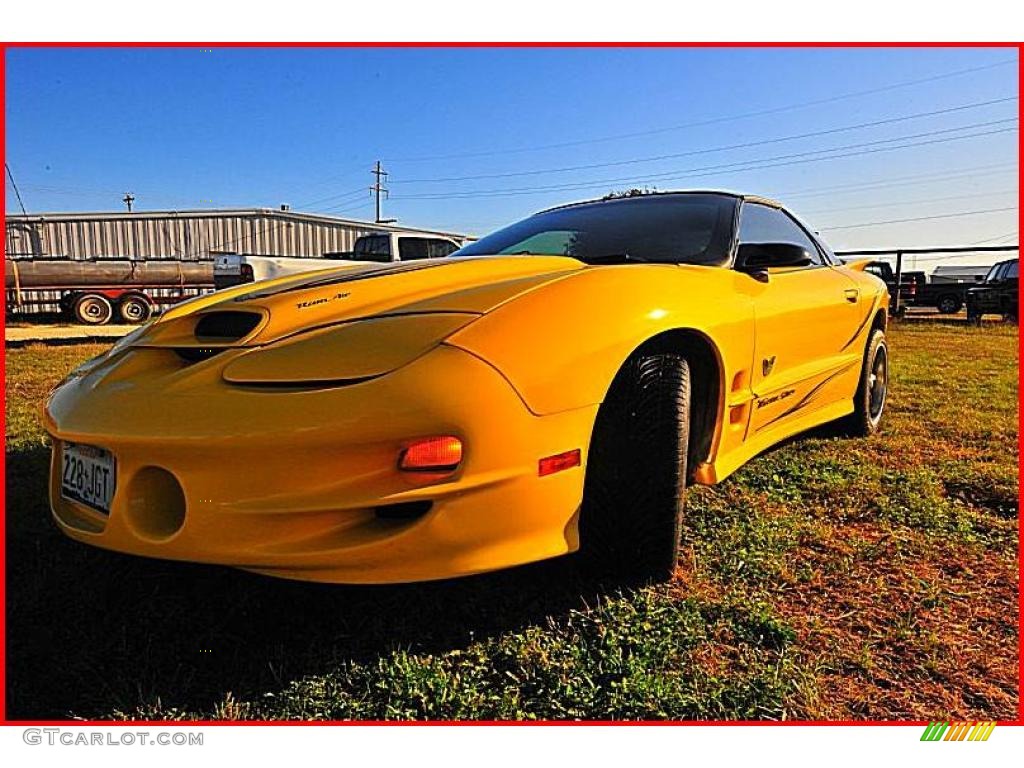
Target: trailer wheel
{"points": [[92, 309], [134, 308]]}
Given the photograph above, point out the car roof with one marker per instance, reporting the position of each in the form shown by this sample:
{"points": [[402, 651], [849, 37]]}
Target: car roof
{"points": [[721, 192]]}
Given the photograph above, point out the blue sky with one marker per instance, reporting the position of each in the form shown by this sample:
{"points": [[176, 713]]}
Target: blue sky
{"points": [[191, 128]]}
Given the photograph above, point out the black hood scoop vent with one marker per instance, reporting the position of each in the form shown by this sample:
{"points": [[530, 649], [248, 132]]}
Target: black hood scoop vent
{"points": [[216, 332], [226, 327]]}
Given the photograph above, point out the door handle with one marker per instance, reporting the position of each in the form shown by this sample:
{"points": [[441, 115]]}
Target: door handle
{"points": [[851, 294]]}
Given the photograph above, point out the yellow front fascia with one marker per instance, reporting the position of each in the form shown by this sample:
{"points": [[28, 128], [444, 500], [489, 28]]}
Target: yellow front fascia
{"points": [[287, 483]]}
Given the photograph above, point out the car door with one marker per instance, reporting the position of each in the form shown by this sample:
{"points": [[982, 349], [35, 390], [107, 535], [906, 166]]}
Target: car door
{"points": [[1008, 289], [804, 319], [987, 298]]}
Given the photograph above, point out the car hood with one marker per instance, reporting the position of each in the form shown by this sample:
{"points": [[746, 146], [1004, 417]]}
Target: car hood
{"points": [[261, 313]]}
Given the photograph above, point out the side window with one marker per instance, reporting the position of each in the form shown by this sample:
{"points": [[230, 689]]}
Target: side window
{"points": [[1011, 273], [763, 224], [372, 248], [438, 249], [410, 248]]}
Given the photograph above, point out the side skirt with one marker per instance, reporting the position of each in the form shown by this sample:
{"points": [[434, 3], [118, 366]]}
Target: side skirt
{"points": [[710, 473]]}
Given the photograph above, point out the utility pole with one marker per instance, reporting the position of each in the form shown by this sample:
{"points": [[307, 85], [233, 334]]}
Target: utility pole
{"points": [[128, 199], [378, 188]]}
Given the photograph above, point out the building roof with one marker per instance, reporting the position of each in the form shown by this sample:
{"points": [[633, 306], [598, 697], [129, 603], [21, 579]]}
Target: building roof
{"points": [[207, 213]]}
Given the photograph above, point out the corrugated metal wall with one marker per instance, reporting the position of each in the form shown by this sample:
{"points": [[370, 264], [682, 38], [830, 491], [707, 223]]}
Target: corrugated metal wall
{"points": [[190, 236]]}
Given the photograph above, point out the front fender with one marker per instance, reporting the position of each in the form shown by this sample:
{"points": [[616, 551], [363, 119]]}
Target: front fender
{"points": [[561, 345]]}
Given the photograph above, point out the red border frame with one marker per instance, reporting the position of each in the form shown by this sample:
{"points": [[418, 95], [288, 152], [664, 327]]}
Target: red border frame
{"points": [[495, 44]]}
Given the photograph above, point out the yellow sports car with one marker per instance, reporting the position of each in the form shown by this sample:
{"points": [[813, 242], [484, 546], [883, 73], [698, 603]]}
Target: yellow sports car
{"points": [[549, 388]]}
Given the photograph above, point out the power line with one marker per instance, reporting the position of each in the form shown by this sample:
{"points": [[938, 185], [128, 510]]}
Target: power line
{"points": [[971, 196], [899, 181], [1008, 236], [712, 121], [777, 161], [917, 218], [972, 172], [996, 240], [709, 150], [348, 207], [350, 193], [16, 192]]}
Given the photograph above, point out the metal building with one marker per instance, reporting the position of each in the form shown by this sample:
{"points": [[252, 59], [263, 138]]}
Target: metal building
{"points": [[187, 235]]}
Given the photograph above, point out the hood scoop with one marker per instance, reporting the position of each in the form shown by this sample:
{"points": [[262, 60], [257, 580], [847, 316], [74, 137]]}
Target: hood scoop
{"points": [[225, 327], [219, 330]]}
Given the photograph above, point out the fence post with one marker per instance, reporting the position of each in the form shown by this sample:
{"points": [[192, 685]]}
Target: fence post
{"points": [[899, 283]]}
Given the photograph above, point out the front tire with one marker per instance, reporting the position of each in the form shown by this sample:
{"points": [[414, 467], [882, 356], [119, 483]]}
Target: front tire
{"points": [[872, 391], [634, 492], [92, 309]]}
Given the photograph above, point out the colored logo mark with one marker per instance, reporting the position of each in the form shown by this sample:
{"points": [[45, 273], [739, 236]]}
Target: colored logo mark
{"points": [[958, 731]]}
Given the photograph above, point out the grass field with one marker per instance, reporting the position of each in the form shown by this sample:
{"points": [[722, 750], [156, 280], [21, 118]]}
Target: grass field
{"points": [[828, 579]]}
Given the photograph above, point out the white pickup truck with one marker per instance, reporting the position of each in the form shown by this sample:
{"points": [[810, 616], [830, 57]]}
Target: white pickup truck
{"points": [[235, 268]]}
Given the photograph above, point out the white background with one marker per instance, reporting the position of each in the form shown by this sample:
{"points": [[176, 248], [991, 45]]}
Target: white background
{"points": [[533, 747], [535, 20], [496, 746]]}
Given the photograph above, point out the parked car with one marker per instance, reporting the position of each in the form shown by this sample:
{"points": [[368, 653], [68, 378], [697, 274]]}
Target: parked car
{"points": [[997, 295], [552, 387], [908, 283], [959, 273], [398, 246], [237, 268], [234, 269], [917, 290]]}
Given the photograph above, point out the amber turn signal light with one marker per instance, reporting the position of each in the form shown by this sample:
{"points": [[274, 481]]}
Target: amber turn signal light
{"points": [[431, 454]]}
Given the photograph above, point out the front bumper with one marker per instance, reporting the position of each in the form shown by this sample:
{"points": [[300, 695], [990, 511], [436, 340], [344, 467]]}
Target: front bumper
{"points": [[288, 482]]}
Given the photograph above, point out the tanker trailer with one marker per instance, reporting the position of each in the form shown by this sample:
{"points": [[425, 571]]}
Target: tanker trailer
{"points": [[96, 291]]}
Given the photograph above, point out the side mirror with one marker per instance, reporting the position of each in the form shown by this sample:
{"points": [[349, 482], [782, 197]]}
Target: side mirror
{"points": [[756, 257]]}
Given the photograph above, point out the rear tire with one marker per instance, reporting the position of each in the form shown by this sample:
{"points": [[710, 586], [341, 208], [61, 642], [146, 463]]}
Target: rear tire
{"points": [[949, 304], [92, 309], [134, 308], [634, 493], [872, 390]]}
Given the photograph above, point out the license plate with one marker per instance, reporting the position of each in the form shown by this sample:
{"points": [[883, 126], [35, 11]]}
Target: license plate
{"points": [[88, 476]]}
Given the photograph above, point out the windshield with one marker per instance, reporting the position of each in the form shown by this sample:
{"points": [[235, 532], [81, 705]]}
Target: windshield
{"points": [[675, 229], [993, 273]]}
